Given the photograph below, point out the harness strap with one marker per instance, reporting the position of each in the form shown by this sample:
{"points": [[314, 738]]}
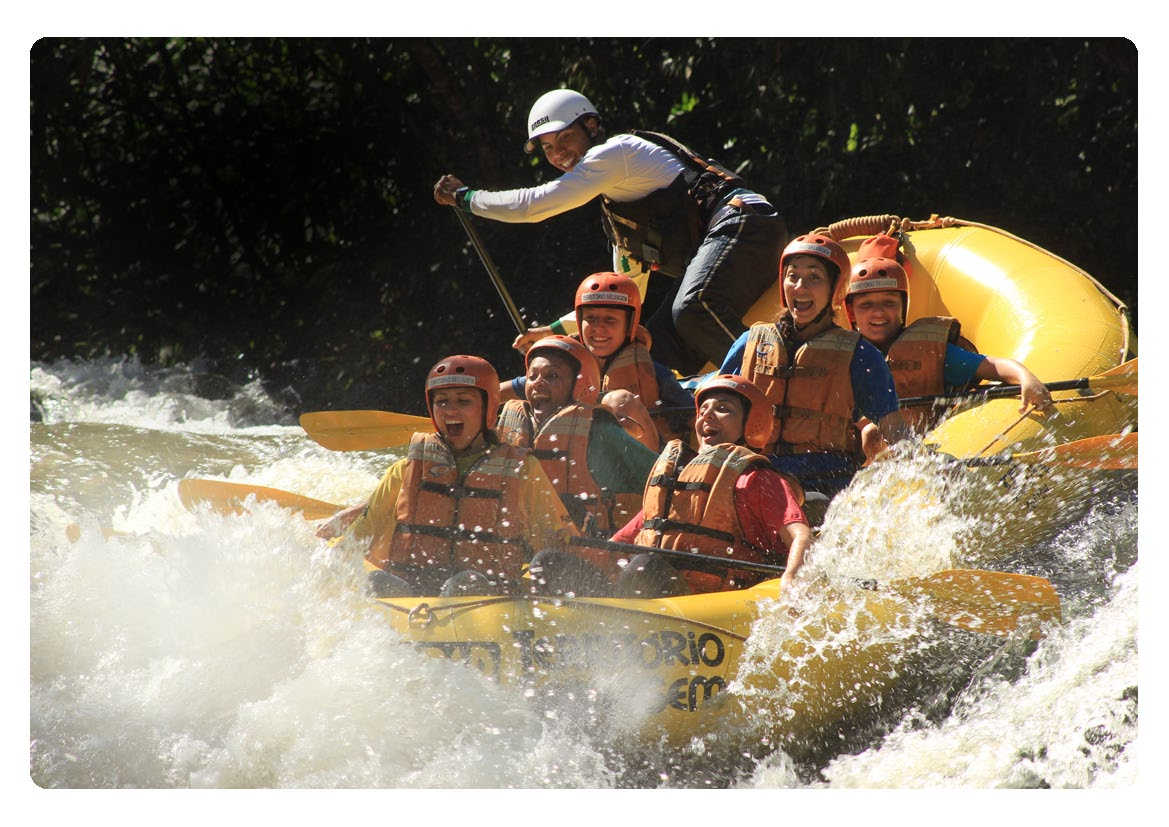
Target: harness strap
{"points": [[665, 524], [455, 533], [461, 492], [789, 371]]}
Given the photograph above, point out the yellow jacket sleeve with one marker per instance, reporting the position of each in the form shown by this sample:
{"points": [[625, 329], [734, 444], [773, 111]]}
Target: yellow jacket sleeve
{"points": [[380, 519], [546, 520]]}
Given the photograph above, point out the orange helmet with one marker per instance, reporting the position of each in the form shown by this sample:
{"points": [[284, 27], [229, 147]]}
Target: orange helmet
{"points": [[877, 274], [882, 246], [820, 246], [610, 290], [466, 371], [588, 376], [757, 418]]}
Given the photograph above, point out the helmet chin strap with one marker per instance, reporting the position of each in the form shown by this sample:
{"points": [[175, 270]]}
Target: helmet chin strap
{"points": [[819, 318]]}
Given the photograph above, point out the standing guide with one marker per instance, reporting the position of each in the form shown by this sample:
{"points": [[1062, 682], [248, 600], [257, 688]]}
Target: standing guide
{"points": [[666, 210]]}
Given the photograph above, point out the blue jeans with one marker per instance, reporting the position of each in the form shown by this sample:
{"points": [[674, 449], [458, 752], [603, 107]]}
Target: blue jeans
{"points": [[701, 314]]}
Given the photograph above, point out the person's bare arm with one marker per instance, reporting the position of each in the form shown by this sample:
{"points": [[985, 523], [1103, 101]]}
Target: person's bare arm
{"points": [[798, 537], [1033, 392]]}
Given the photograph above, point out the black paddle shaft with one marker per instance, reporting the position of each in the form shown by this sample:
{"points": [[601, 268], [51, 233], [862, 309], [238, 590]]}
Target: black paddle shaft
{"points": [[698, 562], [496, 279], [997, 392]]}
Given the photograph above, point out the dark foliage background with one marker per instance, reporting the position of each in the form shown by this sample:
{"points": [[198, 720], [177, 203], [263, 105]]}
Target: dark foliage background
{"points": [[263, 207]]}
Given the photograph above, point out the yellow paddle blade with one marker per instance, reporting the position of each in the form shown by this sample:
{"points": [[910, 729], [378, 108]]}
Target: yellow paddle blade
{"points": [[362, 430], [1122, 379], [73, 532], [230, 498], [1109, 452], [990, 602]]}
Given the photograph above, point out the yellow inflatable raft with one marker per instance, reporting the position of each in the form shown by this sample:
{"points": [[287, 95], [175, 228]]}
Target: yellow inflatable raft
{"points": [[1016, 300], [1019, 301], [676, 668], [682, 667]]}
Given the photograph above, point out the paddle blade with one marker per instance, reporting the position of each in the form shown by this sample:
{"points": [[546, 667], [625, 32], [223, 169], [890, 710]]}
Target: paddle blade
{"points": [[990, 602], [1122, 379], [362, 430], [73, 533], [1110, 452], [231, 497]]}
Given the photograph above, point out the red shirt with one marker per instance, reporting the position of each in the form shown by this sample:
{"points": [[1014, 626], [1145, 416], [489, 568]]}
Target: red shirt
{"points": [[761, 495]]}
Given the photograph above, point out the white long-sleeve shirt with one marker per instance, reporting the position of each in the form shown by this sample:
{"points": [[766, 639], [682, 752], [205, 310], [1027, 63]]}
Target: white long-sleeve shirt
{"points": [[624, 168]]}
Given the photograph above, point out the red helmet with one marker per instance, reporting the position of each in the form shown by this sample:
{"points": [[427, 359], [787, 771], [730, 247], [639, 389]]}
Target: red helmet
{"points": [[820, 246], [466, 371], [877, 274], [588, 376], [610, 290], [758, 411]]}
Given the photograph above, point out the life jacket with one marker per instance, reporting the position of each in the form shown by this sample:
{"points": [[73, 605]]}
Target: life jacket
{"points": [[562, 446], [917, 360], [662, 230], [811, 393], [458, 524], [691, 507], [632, 368]]}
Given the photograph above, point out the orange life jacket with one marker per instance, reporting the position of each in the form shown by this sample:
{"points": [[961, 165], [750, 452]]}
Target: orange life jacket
{"points": [[631, 368], [458, 524], [917, 360], [562, 446], [812, 393], [692, 508]]}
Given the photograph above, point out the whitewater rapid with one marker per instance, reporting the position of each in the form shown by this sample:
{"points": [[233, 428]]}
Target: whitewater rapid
{"points": [[179, 649]]}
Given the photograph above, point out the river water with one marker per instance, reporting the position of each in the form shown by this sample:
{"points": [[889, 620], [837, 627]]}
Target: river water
{"points": [[194, 650]]}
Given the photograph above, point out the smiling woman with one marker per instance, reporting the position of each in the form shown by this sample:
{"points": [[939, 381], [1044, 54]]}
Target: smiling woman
{"points": [[817, 375], [928, 357]]}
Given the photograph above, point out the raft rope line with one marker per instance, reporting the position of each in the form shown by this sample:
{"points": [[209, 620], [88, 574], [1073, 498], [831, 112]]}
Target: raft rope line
{"points": [[889, 224], [424, 614], [874, 224], [1007, 430]]}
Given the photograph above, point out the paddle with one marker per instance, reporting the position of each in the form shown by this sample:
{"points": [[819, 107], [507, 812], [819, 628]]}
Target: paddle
{"points": [[363, 430], [496, 279], [1122, 379], [375, 430], [1108, 452], [228, 498], [73, 532], [990, 602]]}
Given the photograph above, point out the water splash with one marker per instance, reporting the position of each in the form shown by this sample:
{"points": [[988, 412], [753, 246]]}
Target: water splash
{"points": [[197, 650]]}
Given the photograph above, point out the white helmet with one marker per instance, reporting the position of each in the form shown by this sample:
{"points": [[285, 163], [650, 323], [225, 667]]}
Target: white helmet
{"points": [[554, 111]]}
